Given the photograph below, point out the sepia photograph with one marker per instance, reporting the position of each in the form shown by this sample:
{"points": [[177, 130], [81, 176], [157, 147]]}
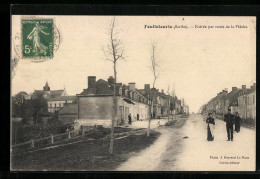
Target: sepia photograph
{"points": [[133, 93]]}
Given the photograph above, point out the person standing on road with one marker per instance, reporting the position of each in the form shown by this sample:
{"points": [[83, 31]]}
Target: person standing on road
{"points": [[129, 119], [229, 119], [237, 122], [211, 127]]}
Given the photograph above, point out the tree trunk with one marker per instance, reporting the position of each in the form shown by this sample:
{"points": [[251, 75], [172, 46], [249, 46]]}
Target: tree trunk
{"points": [[168, 111], [111, 147], [151, 114], [149, 121]]}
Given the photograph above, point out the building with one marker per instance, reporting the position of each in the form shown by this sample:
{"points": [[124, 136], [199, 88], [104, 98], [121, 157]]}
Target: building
{"points": [[95, 104], [56, 103], [55, 98], [155, 99], [69, 113], [48, 93], [247, 102], [164, 102], [238, 100]]}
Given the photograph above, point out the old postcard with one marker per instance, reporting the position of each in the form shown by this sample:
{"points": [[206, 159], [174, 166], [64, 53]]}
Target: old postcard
{"points": [[133, 93]]}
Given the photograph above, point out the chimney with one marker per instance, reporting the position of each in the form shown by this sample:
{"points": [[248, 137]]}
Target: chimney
{"points": [[131, 86], [253, 87], [224, 92], [110, 80], [125, 87], [162, 91], [92, 83], [147, 86], [243, 87], [234, 88]]}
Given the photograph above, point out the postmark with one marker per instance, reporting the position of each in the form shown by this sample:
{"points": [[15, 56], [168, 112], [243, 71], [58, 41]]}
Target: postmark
{"points": [[39, 39]]}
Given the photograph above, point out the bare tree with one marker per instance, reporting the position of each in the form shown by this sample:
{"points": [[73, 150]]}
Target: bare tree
{"points": [[154, 58], [113, 52]]}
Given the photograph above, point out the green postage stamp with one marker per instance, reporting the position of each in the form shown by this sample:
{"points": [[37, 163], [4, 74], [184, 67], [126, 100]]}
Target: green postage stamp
{"points": [[37, 38]]}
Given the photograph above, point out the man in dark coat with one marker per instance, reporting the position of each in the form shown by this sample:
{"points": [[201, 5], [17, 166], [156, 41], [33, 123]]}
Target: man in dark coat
{"points": [[229, 119], [237, 122], [129, 119]]}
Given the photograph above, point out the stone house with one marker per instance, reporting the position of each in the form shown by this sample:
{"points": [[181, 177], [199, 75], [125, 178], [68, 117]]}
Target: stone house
{"points": [[68, 113], [56, 103], [232, 100], [247, 102], [152, 94], [95, 104]]}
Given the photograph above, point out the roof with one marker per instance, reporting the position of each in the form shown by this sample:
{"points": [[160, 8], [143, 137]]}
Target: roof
{"points": [[139, 93], [56, 92], [128, 101], [232, 97], [46, 85], [51, 94], [71, 108], [247, 91], [37, 93], [62, 98], [102, 88]]}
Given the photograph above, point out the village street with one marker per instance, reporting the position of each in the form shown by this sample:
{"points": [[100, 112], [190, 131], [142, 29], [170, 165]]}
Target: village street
{"points": [[186, 149]]}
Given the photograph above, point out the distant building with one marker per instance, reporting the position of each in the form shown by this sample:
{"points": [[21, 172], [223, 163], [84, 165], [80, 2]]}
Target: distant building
{"points": [[232, 100], [55, 98], [241, 100], [48, 93], [56, 103], [247, 103]]}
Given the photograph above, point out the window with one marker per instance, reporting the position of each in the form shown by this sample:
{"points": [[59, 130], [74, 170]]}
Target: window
{"points": [[60, 105], [55, 105], [50, 104]]}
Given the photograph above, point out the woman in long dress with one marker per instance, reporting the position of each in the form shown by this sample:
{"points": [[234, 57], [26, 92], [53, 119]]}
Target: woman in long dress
{"points": [[34, 35], [210, 127]]}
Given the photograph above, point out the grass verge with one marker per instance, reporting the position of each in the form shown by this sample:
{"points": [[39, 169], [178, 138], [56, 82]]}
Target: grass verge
{"points": [[83, 156]]}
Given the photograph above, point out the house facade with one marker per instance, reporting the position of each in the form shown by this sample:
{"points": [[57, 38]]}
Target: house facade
{"points": [[68, 113], [95, 104], [247, 103], [56, 103]]}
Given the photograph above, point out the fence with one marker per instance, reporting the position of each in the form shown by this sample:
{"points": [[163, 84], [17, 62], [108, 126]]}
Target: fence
{"points": [[52, 139]]}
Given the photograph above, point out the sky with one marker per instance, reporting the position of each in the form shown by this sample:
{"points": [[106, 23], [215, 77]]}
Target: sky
{"points": [[198, 62]]}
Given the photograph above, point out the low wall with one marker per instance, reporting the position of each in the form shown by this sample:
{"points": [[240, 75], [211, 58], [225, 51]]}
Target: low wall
{"points": [[92, 122]]}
